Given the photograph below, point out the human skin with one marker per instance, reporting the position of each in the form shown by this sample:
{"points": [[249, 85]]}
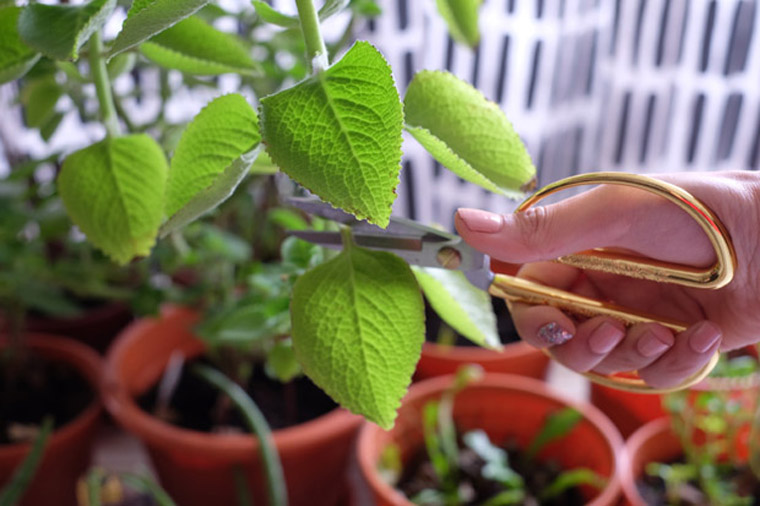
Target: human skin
{"points": [[645, 224]]}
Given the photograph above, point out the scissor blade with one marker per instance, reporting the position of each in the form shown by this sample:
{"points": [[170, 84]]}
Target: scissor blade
{"points": [[334, 240]]}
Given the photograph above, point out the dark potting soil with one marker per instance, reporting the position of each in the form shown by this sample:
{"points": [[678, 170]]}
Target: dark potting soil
{"points": [[34, 387], [419, 475], [652, 489], [196, 404], [504, 325]]}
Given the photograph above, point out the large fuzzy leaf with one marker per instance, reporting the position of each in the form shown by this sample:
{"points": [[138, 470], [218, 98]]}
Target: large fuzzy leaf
{"points": [[59, 31], [338, 133], [462, 18], [114, 191], [467, 133], [16, 58], [358, 327], [195, 47], [147, 18]]}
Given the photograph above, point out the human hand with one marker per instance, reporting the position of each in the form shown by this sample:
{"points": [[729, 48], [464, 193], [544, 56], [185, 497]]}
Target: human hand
{"points": [[645, 224]]}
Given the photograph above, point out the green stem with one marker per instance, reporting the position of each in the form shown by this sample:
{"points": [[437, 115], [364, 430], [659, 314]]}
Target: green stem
{"points": [[103, 86], [278, 495], [316, 52], [347, 237], [24, 473]]}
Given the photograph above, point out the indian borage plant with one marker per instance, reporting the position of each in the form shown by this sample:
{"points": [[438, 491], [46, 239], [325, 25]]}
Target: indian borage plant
{"points": [[357, 320]]}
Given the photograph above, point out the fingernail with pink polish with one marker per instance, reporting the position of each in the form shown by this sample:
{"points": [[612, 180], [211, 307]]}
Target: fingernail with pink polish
{"points": [[481, 221], [650, 345], [604, 338], [704, 336], [553, 334]]}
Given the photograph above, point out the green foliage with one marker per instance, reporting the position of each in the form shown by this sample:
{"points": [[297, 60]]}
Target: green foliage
{"points": [[16, 58], [214, 154], [195, 47], [467, 133], [557, 426], [463, 306], [147, 18], [496, 460], [14, 490], [59, 31], [39, 97], [272, 16], [113, 191], [338, 133], [358, 327], [461, 16], [572, 478]]}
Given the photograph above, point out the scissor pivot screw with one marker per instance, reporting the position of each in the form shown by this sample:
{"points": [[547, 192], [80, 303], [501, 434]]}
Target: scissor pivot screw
{"points": [[449, 258]]}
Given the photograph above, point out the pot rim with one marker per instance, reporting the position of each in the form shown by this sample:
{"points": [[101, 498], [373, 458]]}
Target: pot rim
{"points": [[234, 447], [632, 446], [503, 382], [510, 351], [87, 363]]}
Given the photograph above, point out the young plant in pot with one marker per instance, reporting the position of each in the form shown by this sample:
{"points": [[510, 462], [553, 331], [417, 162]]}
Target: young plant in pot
{"points": [[461, 440], [705, 452], [338, 133]]}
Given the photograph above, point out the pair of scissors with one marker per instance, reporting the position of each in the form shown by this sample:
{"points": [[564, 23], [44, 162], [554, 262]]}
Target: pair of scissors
{"points": [[426, 246]]}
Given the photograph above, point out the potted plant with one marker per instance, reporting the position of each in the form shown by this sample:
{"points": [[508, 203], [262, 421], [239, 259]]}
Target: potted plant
{"points": [[704, 452], [432, 425]]}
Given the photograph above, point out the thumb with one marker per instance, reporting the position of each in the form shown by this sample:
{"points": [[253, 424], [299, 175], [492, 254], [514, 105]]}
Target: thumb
{"points": [[606, 216]]}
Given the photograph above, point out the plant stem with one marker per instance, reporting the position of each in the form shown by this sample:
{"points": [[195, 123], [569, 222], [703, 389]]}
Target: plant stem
{"points": [[316, 52], [278, 495], [24, 473], [103, 86]]}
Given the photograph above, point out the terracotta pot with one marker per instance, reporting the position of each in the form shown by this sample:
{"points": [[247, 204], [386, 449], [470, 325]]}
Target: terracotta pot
{"points": [[653, 442], [506, 407], [96, 327], [67, 454], [628, 411], [516, 358], [197, 468]]}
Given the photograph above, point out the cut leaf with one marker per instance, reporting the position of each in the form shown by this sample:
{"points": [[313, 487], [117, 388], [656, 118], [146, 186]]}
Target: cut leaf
{"points": [[268, 14], [16, 58], [147, 18], [467, 133], [59, 31], [358, 327], [459, 303], [114, 191], [214, 154], [338, 133], [195, 47], [461, 16]]}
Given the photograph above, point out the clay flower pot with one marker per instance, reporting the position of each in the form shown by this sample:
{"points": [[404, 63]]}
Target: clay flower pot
{"points": [[628, 411], [505, 406], [197, 468], [67, 454]]}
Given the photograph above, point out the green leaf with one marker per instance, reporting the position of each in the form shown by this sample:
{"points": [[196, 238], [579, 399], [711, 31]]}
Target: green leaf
{"points": [[268, 14], [331, 7], [48, 129], [366, 8], [459, 303], [467, 133], [572, 478], [282, 363], [59, 31], [496, 459], [263, 165], [16, 58], [147, 18], [358, 327], [557, 425], [195, 47], [338, 133], [461, 16], [114, 191], [214, 154], [121, 64], [14, 490], [39, 97]]}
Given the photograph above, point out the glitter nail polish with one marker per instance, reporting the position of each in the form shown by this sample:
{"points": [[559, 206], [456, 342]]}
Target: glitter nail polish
{"points": [[553, 334]]}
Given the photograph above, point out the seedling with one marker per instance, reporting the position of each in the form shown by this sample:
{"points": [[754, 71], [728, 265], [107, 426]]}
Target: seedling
{"points": [[14, 490]]}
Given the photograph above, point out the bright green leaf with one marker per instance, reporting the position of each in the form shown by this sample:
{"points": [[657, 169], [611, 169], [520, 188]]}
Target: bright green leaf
{"points": [[466, 308], [366, 8], [338, 133], [16, 58], [121, 64], [195, 47], [572, 478], [39, 97], [48, 129], [147, 18], [467, 133], [461, 16], [282, 363], [263, 165], [212, 157], [114, 191], [557, 425], [59, 31], [268, 14], [358, 327]]}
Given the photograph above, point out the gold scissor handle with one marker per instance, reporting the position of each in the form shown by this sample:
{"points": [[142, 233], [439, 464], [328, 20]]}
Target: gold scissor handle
{"points": [[718, 275]]}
